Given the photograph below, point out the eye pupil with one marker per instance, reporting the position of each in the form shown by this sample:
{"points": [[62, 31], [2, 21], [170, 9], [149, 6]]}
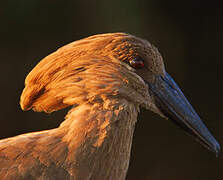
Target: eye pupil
{"points": [[136, 63]]}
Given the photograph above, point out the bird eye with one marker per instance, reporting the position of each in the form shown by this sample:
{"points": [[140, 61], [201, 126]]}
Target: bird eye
{"points": [[137, 63]]}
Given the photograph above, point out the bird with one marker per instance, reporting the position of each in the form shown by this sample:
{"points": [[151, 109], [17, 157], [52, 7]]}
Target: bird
{"points": [[105, 79]]}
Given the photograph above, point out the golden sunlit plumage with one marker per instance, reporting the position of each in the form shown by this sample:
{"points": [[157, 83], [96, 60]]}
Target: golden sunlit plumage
{"points": [[94, 76]]}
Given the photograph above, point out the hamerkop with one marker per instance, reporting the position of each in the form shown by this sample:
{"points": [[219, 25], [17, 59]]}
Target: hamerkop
{"points": [[105, 78]]}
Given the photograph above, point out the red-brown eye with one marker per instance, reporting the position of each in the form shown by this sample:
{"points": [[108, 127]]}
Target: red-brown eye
{"points": [[137, 63]]}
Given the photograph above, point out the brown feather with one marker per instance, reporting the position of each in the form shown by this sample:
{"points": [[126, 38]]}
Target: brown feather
{"points": [[94, 141]]}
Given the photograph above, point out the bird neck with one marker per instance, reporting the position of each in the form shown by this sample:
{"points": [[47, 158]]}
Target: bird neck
{"points": [[99, 138]]}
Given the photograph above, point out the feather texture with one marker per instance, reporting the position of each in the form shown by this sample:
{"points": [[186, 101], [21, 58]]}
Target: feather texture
{"points": [[94, 142]]}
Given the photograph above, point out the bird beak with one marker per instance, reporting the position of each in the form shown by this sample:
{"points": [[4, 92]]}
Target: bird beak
{"points": [[173, 104]]}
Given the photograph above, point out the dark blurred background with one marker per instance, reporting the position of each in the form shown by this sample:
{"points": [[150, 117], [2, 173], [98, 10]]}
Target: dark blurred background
{"points": [[187, 33]]}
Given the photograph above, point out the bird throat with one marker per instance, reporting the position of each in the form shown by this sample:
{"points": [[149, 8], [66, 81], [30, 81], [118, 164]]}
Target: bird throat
{"points": [[99, 138]]}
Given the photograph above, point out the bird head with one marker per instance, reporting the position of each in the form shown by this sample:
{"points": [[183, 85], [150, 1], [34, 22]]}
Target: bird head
{"points": [[112, 66]]}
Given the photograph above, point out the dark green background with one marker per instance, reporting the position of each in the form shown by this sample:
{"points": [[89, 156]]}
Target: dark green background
{"points": [[187, 33]]}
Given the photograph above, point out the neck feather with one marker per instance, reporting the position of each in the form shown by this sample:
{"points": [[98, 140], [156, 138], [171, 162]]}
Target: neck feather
{"points": [[99, 138]]}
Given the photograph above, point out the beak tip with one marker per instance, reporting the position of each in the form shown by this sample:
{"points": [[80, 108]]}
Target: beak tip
{"points": [[217, 149]]}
